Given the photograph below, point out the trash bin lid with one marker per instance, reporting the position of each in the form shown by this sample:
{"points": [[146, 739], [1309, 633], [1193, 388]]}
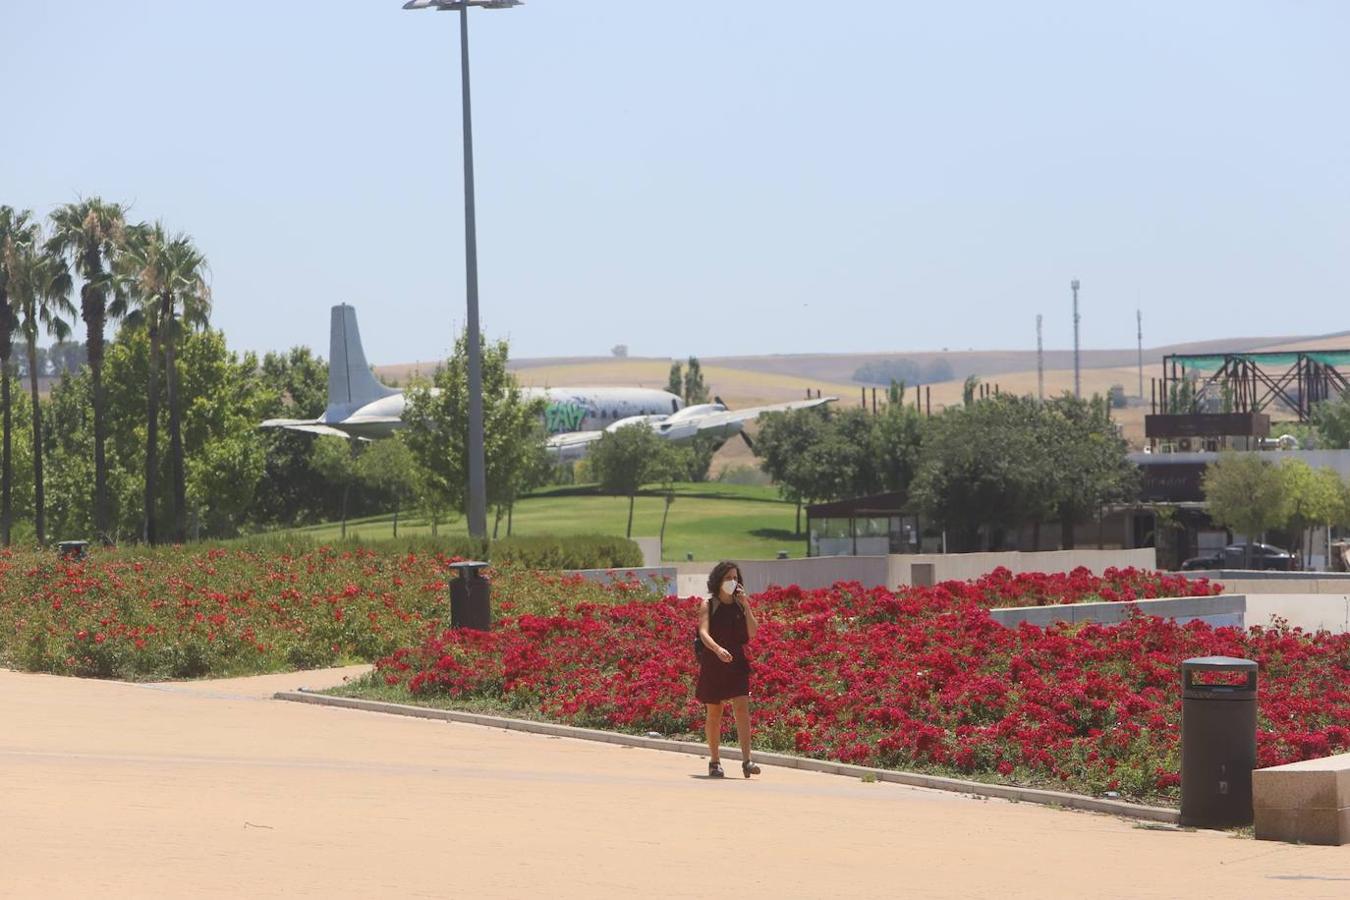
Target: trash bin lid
{"points": [[469, 567], [1194, 690], [1219, 663]]}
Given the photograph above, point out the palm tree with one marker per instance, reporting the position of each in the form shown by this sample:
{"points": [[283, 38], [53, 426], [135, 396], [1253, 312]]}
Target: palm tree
{"points": [[164, 279], [90, 232], [186, 304], [15, 228], [39, 288], [138, 287]]}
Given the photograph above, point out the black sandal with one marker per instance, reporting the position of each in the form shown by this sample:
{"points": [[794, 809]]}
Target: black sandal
{"points": [[715, 770], [748, 768]]}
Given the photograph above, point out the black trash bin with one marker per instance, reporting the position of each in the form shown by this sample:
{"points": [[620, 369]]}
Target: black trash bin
{"points": [[470, 597], [73, 550], [1218, 741]]}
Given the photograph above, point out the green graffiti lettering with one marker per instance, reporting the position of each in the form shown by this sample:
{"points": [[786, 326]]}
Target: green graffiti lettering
{"points": [[560, 418]]}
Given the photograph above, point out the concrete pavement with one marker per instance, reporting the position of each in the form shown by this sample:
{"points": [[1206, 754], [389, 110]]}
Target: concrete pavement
{"points": [[212, 790]]}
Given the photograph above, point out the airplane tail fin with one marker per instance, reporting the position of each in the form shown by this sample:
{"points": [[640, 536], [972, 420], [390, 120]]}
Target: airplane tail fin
{"points": [[350, 382]]}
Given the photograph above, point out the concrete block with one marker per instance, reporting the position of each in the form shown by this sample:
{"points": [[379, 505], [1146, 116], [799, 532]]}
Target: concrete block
{"points": [[1306, 802], [1220, 609], [1328, 827]]}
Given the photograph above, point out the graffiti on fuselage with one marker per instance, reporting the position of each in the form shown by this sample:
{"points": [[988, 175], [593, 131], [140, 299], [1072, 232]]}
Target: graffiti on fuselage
{"points": [[564, 416]]}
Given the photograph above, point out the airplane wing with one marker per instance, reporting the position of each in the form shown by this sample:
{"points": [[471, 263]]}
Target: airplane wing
{"points": [[309, 426], [723, 422], [573, 445], [728, 422]]}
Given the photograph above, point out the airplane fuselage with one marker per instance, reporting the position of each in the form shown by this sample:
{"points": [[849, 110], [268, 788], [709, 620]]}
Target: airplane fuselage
{"points": [[566, 410], [359, 406]]}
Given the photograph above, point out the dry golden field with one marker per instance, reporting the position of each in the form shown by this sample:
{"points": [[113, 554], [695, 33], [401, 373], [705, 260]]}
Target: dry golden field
{"points": [[755, 381]]}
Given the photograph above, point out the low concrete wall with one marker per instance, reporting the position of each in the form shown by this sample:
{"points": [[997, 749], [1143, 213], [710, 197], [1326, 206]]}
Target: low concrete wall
{"points": [[815, 572], [651, 551], [658, 578], [897, 570], [968, 566], [1311, 612], [1243, 581], [1220, 610]]}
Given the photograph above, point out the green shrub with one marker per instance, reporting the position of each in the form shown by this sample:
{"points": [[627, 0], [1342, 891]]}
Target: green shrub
{"points": [[584, 551]]}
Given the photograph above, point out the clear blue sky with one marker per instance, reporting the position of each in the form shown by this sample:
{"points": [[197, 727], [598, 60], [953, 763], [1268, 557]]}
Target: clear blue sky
{"points": [[758, 176]]}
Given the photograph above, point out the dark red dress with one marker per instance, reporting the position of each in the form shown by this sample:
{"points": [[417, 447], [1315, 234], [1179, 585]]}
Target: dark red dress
{"points": [[718, 681]]}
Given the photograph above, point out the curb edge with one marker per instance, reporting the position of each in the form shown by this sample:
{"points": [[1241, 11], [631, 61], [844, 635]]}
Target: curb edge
{"points": [[909, 779]]}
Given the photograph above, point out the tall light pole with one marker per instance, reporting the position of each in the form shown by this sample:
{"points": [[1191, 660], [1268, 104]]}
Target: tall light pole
{"points": [[1077, 381], [477, 512]]}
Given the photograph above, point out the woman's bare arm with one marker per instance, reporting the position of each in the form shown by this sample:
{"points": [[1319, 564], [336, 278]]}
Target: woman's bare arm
{"points": [[704, 635], [751, 624]]}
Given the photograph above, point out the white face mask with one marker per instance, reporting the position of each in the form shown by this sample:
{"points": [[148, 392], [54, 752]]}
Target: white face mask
{"points": [[729, 586]]}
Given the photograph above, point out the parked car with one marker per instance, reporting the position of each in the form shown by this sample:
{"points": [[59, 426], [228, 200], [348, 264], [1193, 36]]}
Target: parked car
{"points": [[1234, 556]]}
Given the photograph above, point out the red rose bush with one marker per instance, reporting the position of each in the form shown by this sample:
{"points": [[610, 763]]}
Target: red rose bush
{"points": [[919, 679], [192, 612]]}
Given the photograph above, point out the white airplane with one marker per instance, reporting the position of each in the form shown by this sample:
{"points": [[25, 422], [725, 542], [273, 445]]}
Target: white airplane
{"points": [[359, 406]]}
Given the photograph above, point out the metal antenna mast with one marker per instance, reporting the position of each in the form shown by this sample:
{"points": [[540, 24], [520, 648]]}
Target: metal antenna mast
{"points": [[1077, 378], [1139, 320], [1040, 361]]}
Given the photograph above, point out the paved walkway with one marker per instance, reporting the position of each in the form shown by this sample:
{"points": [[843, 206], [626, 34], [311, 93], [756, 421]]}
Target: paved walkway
{"points": [[212, 790]]}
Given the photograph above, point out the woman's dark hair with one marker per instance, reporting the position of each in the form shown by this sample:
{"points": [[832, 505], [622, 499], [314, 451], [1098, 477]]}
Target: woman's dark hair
{"points": [[719, 572]]}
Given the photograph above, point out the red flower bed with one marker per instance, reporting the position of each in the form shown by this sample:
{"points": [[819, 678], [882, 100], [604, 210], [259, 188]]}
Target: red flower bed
{"points": [[919, 679], [1002, 588], [194, 612]]}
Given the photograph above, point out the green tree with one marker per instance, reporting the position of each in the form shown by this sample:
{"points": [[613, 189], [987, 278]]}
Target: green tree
{"points": [[694, 459], [291, 491], [1331, 423], [185, 304], [126, 377], [675, 383], [438, 423], [627, 458], [39, 288], [166, 281], [336, 459], [223, 399], [14, 225], [897, 443], [1314, 497], [1246, 494], [695, 390], [968, 390], [389, 466], [983, 465], [791, 450], [141, 282], [1086, 461], [68, 436], [434, 496], [90, 232]]}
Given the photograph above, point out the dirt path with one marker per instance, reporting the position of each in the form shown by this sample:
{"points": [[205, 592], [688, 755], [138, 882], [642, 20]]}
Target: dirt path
{"points": [[210, 790]]}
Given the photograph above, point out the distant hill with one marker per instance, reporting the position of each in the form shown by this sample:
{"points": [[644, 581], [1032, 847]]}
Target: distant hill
{"points": [[754, 380], [839, 368]]}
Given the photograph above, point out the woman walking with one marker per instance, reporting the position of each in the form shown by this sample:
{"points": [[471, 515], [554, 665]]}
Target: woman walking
{"points": [[726, 623]]}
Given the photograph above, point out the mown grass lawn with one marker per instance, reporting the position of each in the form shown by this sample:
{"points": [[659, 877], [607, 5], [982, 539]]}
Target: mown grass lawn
{"points": [[711, 520]]}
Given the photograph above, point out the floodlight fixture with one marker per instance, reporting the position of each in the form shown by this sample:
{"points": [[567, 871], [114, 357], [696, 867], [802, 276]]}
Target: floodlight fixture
{"points": [[457, 5]]}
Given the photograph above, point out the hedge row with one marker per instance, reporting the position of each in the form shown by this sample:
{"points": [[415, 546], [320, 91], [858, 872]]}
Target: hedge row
{"points": [[585, 551]]}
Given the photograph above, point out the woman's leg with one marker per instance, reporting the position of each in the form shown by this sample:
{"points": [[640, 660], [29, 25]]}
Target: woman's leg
{"points": [[741, 706], [713, 729]]}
